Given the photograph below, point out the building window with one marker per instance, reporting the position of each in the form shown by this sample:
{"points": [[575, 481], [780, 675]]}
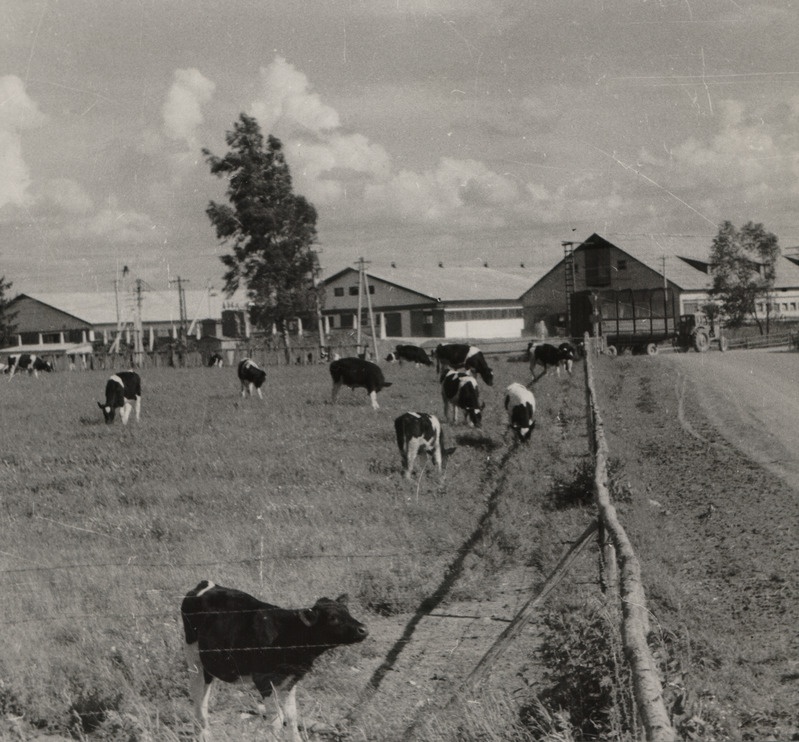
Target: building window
{"points": [[347, 321], [353, 291], [29, 338], [51, 337], [621, 265], [371, 289], [338, 291]]}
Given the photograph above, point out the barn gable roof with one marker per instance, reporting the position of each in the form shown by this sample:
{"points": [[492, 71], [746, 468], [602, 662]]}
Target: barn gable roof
{"points": [[453, 284]]}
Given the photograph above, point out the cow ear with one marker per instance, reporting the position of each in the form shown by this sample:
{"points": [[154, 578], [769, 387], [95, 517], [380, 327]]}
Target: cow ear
{"points": [[309, 616], [100, 405], [343, 599]]}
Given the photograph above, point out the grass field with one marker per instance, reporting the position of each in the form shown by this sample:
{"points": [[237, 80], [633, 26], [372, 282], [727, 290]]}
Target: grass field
{"points": [[104, 528]]}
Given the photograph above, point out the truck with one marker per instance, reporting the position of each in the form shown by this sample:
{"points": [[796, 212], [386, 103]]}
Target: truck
{"points": [[640, 320]]}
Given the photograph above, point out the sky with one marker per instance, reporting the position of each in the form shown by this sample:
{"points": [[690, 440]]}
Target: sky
{"points": [[421, 130]]}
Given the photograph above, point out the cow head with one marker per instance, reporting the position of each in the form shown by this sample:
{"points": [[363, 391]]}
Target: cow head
{"points": [[332, 623], [475, 415], [108, 412]]}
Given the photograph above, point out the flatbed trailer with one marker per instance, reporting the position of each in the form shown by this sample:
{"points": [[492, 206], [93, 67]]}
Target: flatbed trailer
{"points": [[640, 320]]}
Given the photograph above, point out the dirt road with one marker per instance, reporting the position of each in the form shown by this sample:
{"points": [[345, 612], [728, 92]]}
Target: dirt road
{"points": [[752, 397]]}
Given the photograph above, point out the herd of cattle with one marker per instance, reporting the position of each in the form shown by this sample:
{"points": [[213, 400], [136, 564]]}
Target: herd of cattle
{"points": [[230, 635]]}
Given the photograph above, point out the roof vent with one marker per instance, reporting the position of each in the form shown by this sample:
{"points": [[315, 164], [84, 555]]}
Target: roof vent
{"points": [[440, 264], [521, 265], [485, 264], [393, 264]]}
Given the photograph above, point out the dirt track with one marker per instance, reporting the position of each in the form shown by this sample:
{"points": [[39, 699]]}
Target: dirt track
{"points": [[752, 398], [707, 446]]}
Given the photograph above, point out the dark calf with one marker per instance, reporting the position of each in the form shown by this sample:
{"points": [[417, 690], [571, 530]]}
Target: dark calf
{"points": [[231, 635], [419, 432], [251, 376], [357, 372], [468, 357]]}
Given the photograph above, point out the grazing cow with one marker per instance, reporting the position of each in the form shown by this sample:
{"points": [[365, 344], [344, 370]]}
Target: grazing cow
{"points": [[357, 372], [520, 406], [215, 361], [28, 362], [251, 376], [460, 355], [419, 431], [547, 355], [412, 353], [231, 635], [123, 393], [459, 389]]}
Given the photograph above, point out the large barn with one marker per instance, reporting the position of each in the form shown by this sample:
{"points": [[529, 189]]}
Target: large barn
{"points": [[438, 302]]}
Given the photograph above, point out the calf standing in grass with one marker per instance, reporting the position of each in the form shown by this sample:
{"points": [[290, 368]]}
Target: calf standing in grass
{"points": [[123, 393], [459, 389], [520, 406], [547, 355], [251, 376], [231, 635], [412, 353], [357, 372], [28, 362], [419, 431]]}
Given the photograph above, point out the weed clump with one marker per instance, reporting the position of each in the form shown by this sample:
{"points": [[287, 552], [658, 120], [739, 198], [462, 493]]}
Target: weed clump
{"points": [[589, 680]]}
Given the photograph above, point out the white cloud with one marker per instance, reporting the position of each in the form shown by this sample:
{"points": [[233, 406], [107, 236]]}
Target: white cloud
{"points": [[17, 113], [114, 225], [286, 100], [182, 110]]}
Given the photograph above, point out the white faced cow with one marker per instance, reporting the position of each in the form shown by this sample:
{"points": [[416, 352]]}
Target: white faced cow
{"points": [[461, 355], [547, 355], [357, 372], [123, 393], [251, 376], [28, 362], [459, 389], [231, 635], [520, 406], [419, 431]]}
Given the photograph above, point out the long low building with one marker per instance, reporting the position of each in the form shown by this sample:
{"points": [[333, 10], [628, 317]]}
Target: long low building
{"points": [[436, 302]]}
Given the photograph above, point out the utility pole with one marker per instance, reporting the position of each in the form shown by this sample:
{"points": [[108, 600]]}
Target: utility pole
{"points": [[138, 345], [363, 288], [181, 306]]}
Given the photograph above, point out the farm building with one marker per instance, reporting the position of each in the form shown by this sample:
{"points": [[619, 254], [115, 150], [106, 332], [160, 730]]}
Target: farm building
{"points": [[69, 323], [442, 302], [599, 264]]}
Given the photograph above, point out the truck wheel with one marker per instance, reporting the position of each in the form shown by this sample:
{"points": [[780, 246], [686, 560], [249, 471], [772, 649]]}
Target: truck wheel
{"points": [[652, 349], [611, 351], [701, 342], [724, 344]]}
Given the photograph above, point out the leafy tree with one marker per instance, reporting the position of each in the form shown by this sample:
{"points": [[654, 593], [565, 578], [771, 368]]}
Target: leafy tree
{"points": [[270, 229], [744, 270], [7, 325]]}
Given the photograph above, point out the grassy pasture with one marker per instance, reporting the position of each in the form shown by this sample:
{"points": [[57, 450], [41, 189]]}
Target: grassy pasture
{"points": [[104, 528]]}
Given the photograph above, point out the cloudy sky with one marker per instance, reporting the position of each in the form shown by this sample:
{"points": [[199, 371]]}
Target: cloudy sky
{"points": [[422, 130]]}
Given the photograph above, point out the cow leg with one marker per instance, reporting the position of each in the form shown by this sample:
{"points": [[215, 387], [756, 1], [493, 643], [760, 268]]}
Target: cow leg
{"points": [[413, 451], [373, 397], [243, 388], [336, 388], [437, 456], [138, 408], [124, 413], [199, 687], [260, 395], [290, 715]]}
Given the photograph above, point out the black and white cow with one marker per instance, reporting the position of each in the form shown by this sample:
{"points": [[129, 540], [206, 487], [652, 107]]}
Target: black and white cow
{"points": [[251, 376], [547, 355], [357, 372], [28, 362], [461, 355], [419, 432], [412, 353], [123, 393], [520, 406], [231, 635], [216, 361], [460, 391]]}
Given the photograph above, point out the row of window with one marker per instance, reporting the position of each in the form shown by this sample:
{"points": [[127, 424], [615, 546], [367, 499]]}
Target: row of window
{"points": [[353, 290], [777, 306], [468, 315]]}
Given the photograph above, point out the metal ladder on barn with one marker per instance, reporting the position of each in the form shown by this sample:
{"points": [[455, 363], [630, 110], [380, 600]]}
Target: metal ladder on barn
{"points": [[568, 267]]}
